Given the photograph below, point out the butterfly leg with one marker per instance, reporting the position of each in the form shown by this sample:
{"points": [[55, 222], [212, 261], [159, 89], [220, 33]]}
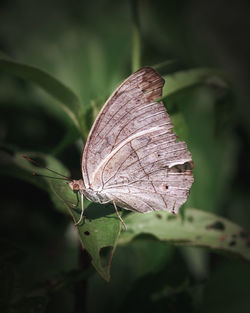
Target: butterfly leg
{"points": [[77, 199], [124, 225], [75, 205], [82, 206]]}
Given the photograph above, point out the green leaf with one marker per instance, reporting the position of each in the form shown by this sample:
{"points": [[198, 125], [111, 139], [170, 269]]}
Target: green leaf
{"points": [[69, 102], [184, 79], [197, 228], [98, 232], [131, 263]]}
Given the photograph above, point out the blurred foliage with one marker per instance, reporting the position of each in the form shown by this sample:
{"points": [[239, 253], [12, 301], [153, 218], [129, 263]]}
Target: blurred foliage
{"points": [[64, 59]]}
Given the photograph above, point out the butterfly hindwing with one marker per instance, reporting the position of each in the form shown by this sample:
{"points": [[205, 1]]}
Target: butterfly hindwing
{"points": [[132, 155]]}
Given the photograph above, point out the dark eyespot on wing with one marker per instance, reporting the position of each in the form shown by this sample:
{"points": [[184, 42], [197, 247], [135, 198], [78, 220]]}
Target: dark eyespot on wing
{"points": [[132, 149]]}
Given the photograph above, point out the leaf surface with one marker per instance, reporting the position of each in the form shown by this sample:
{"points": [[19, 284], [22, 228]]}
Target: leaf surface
{"points": [[197, 228], [68, 100]]}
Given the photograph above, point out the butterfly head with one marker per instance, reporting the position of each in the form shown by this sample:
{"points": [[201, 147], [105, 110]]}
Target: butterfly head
{"points": [[76, 185]]}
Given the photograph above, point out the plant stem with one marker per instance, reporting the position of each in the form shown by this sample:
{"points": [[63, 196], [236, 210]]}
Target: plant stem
{"points": [[136, 50]]}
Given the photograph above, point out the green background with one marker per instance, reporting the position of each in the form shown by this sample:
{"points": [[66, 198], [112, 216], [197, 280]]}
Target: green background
{"points": [[84, 50]]}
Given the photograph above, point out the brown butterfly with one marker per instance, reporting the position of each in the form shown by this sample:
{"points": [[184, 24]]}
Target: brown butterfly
{"points": [[131, 157]]}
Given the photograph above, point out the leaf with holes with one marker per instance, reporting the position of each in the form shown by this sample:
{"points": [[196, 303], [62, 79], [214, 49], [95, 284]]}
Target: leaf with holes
{"points": [[99, 233], [197, 228]]}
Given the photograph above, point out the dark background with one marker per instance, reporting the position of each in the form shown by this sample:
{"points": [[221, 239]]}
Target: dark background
{"points": [[88, 46]]}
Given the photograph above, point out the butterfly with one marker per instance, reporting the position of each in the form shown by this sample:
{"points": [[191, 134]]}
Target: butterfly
{"points": [[132, 157]]}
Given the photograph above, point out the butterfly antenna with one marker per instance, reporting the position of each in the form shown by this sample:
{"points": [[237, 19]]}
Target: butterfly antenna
{"points": [[37, 164], [118, 215], [46, 176]]}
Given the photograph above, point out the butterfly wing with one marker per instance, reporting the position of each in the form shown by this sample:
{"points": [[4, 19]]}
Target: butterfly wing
{"points": [[131, 155]]}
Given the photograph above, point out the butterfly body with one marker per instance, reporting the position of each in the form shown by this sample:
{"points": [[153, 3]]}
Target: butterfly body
{"points": [[132, 157], [89, 193], [96, 196]]}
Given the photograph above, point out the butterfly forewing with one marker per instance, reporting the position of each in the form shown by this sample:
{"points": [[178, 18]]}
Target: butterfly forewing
{"points": [[131, 154]]}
